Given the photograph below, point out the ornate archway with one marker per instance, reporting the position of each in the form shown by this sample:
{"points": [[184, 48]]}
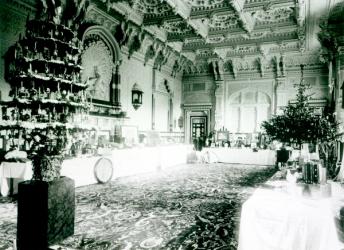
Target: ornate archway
{"points": [[100, 60]]}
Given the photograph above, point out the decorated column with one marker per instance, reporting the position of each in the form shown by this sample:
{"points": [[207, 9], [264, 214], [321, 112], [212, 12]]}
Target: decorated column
{"points": [[217, 66], [219, 104], [116, 81]]}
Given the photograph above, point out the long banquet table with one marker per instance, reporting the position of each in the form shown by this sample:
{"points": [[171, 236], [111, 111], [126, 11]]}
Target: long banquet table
{"points": [[285, 219], [242, 155], [125, 162]]}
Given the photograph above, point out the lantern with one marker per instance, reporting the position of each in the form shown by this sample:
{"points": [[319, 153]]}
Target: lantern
{"points": [[136, 96]]}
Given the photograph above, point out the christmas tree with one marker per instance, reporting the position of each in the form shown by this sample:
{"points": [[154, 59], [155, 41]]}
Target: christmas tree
{"points": [[48, 97], [299, 123]]}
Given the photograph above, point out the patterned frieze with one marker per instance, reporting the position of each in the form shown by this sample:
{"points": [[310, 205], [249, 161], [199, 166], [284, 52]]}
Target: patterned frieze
{"points": [[272, 16], [206, 7], [205, 53], [248, 40], [198, 68], [278, 63], [306, 59]]}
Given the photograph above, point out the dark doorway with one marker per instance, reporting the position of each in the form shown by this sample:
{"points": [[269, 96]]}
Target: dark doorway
{"points": [[198, 131]]}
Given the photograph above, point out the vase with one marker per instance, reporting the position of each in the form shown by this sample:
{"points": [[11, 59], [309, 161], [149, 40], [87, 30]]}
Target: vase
{"points": [[46, 168], [46, 212]]}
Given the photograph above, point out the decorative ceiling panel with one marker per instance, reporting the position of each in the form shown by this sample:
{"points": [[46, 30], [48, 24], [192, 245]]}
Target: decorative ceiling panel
{"points": [[149, 7], [223, 21], [216, 28], [274, 15]]}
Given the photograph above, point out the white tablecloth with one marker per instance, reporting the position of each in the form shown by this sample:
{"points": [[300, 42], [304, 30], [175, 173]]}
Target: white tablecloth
{"points": [[125, 162], [278, 220], [242, 155], [17, 170]]}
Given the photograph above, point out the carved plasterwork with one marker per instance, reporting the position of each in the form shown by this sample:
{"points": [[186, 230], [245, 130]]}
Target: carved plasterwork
{"points": [[193, 40], [254, 31], [297, 60], [254, 35], [150, 52], [198, 68], [204, 3], [274, 15], [216, 39], [162, 57], [97, 63], [204, 52], [178, 65], [221, 52], [217, 69], [151, 7], [262, 64], [223, 21], [96, 16], [176, 27]]}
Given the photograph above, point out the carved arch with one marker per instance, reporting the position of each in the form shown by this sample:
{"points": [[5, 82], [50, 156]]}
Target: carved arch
{"points": [[108, 39]]}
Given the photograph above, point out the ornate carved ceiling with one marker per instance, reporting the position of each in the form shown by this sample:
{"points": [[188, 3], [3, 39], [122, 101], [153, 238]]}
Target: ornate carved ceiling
{"points": [[187, 33], [218, 28]]}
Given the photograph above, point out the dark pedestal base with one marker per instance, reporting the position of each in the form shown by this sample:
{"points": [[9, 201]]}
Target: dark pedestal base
{"points": [[46, 212]]}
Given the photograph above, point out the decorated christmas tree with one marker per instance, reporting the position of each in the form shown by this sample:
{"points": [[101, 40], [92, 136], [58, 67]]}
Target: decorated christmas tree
{"points": [[300, 123], [49, 100]]}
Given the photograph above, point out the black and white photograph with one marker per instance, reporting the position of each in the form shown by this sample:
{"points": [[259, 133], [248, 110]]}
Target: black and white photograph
{"points": [[171, 124]]}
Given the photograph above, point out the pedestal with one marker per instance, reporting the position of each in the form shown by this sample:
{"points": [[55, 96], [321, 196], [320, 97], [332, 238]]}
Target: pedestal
{"points": [[46, 212]]}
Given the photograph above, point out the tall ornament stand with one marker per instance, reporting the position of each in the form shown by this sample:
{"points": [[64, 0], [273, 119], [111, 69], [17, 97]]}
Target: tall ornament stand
{"points": [[46, 112]]}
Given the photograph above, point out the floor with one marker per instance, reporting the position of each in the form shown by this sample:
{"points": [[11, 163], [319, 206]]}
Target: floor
{"points": [[195, 206]]}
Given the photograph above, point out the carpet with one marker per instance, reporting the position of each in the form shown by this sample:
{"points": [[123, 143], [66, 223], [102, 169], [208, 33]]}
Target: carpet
{"points": [[185, 207]]}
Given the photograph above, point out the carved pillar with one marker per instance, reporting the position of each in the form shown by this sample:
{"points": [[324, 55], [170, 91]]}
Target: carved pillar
{"points": [[219, 104], [116, 92]]}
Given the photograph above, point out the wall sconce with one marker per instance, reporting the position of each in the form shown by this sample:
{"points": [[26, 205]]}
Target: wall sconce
{"points": [[136, 96]]}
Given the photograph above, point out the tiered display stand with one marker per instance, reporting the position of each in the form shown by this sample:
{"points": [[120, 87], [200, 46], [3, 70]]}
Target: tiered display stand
{"points": [[46, 112]]}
